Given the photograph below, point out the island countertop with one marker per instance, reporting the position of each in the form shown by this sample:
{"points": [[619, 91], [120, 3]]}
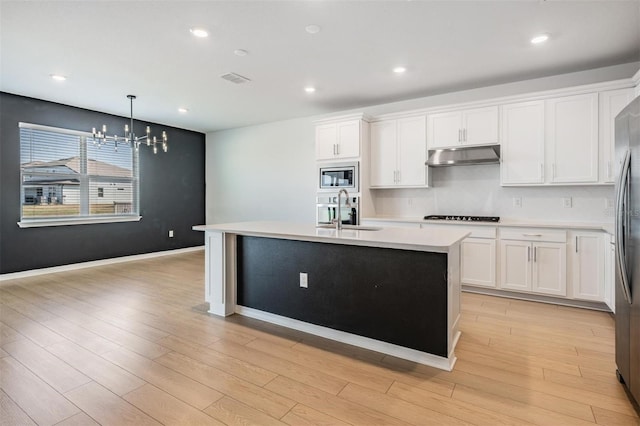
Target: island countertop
{"points": [[439, 240]]}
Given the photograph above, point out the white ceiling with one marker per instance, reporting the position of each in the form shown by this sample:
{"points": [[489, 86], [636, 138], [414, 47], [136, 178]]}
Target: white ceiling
{"points": [[109, 49]]}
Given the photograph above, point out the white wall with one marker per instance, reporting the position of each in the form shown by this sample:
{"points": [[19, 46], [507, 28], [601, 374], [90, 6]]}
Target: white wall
{"points": [[267, 172], [264, 172]]}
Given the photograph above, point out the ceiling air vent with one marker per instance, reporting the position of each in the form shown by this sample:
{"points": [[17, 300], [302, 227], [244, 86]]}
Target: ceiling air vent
{"points": [[234, 78]]}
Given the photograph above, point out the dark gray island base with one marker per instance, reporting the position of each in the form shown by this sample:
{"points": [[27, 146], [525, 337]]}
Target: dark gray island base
{"points": [[395, 291], [396, 296]]}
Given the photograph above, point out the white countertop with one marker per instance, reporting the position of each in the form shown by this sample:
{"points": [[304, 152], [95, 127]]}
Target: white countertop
{"points": [[506, 222], [436, 240]]}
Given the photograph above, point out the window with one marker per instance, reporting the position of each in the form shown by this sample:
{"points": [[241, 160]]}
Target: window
{"points": [[67, 179]]}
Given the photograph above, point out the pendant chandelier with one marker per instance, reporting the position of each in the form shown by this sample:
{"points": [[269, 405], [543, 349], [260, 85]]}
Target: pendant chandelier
{"points": [[101, 138]]}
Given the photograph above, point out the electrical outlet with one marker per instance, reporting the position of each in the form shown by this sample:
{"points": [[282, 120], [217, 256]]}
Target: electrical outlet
{"points": [[171, 233], [517, 201], [608, 203], [566, 202], [304, 280]]}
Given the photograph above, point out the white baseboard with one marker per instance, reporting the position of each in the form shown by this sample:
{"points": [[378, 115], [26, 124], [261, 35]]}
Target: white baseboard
{"points": [[94, 263], [419, 357]]}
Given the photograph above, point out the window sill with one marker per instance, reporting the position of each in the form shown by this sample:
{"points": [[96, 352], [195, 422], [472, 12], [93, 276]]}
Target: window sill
{"points": [[76, 221]]}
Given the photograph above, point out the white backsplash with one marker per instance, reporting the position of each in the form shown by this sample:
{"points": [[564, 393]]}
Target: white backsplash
{"points": [[476, 190]]}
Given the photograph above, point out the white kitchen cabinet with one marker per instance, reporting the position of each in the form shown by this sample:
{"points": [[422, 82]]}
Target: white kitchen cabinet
{"points": [[571, 133], [533, 260], [522, 147], [339, 140], [587, 253], [478, 126], [398, 153], [478, 262], [611, 103]]}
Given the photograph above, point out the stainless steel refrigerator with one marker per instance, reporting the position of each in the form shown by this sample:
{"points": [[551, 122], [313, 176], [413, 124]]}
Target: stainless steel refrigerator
{"points": [[627, 249]]}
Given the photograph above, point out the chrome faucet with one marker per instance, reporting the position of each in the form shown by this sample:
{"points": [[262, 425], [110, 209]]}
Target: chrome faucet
{"points": [[347, 203]]}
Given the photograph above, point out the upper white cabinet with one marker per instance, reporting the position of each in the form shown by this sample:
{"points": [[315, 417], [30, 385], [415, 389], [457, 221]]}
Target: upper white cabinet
{"points": [[522, 135], [571, 133], [398, 153], [611, 103], [478, 126], [338, 140]]}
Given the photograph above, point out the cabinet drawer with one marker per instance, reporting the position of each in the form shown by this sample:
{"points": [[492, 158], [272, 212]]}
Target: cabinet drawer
{"points": [[533, 234]]}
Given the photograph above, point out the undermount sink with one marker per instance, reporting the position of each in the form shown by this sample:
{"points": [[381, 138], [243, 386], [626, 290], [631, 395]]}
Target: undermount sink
{"points": [[351, 227]]}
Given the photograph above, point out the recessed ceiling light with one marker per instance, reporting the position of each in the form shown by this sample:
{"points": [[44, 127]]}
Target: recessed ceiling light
{"points": [[199, 32], [240, 52], [58, 77], [312, 29], [183, 110], [541, 38], [399, 70], [309, 89]]}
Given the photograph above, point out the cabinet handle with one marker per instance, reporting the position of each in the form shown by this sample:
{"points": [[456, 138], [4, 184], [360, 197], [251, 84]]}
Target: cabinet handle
{"points": [[532, 235], [529, 254], [337, 149], [576, 243], [334, 149], [459, 135], [535, 249], [464, 135], [398, 176], [541, 172], [609, 168]]}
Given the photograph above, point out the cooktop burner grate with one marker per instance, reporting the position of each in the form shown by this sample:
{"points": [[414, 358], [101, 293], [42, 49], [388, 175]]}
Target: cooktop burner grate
{"points": [[463, 218]]}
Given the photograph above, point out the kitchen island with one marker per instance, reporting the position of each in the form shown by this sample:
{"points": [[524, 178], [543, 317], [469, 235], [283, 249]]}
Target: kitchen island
{"points": [[391, 290]]}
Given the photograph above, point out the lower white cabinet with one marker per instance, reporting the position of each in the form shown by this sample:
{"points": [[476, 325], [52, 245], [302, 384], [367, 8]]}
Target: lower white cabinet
{"points": [[610, 272], [478, 262], [534, 261], [586, 252]]}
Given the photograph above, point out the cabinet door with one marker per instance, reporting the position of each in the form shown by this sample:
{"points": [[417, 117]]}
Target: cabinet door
{"points": [[587, 261], [611, 103], [445, 129], [383, 153], [609, 273], [326, 138], [480, 126], [572, 138], [522, 133], [412, 151], [515, 265], [549, 268], [478, 262], [348, 139]]}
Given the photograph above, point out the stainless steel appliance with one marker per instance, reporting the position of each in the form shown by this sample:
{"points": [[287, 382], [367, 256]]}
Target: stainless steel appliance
{"points": [[627, 250], [463, 218], [464, 156], [334, 177], [327, 210]]}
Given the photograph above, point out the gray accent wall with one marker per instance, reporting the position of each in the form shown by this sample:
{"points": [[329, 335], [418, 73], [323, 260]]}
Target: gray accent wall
{"points": [[172, 193]]}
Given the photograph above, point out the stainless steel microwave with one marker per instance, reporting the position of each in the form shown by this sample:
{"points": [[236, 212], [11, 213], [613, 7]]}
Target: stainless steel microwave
{"points": [[334, 177]]}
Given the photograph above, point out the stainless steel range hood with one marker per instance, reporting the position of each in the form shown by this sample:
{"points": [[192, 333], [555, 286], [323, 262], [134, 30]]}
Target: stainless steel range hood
{"points": [[464, 156]]}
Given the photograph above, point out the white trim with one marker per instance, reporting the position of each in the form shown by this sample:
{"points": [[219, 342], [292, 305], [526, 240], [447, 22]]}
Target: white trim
{"points": [[528, 96], [36, 223], [348, 117], [94, 263], [353, 339], [23, 125]]}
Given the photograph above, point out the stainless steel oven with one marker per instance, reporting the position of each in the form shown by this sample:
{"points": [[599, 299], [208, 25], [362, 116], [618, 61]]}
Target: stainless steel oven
{"points": [[327, 210], [334, 177]]}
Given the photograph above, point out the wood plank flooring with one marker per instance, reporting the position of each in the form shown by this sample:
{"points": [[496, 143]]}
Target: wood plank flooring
{"points": [[132, 344]]}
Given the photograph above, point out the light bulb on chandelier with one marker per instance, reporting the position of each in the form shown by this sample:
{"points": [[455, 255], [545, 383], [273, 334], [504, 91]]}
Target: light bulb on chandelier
{"points": [[100, 137]]}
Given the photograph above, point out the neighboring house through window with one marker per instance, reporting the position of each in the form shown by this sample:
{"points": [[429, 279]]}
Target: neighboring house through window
{"points": [[66, 178]]}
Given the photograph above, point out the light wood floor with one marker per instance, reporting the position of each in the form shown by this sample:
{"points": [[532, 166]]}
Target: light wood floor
{"points": [[131, 344]]}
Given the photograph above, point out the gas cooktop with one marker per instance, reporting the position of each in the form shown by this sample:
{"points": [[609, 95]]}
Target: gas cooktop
{"points": [[463, 218]]}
